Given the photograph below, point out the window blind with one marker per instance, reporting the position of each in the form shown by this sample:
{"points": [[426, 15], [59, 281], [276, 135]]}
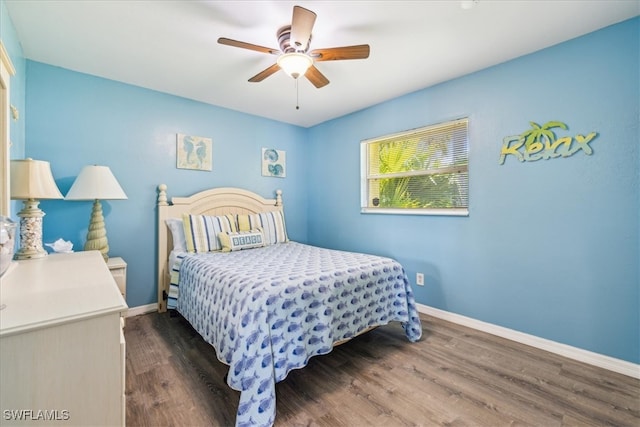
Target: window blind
{"points": [[420, 169]]}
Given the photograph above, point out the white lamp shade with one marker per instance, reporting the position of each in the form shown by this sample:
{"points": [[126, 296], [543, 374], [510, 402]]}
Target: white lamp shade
{"points": [[295, 64], [32, 179], [95, 182]]}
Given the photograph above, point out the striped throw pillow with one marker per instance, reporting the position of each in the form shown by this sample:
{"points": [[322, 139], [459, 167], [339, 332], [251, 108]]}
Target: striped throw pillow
{"points": [[271, 223], [201, 231]]}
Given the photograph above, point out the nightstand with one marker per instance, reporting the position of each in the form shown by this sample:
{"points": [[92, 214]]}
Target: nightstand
{"points": [[118, 269]]}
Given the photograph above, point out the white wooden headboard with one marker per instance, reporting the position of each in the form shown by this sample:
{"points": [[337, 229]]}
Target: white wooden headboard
{"points": [[216, 201]]}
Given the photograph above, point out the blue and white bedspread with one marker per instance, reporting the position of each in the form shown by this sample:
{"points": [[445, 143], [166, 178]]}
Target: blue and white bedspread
{"points": [[266, 311]]}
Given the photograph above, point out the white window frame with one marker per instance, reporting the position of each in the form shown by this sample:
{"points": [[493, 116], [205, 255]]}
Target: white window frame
{"points": [[364, 167]]}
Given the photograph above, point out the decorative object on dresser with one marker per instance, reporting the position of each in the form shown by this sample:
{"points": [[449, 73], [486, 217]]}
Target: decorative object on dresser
{"points": [[7, 243], [31, 181], [61, 342], [96, 183], [61, 246]]}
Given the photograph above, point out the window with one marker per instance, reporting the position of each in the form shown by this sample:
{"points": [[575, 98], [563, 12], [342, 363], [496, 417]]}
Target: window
{"points": [[422, 171]]}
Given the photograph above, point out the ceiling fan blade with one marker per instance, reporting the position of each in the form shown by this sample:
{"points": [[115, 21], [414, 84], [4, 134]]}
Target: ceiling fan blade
{"points": [[264, 73], [301, 26], [316, 77], [250, 46], [360, 51]]}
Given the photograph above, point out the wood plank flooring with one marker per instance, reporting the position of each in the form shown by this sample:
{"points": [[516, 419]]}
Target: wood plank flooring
{"points": [[455, 376]]}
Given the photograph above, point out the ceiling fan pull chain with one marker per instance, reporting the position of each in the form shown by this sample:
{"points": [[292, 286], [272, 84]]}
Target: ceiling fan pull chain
{"points": [[297, 96]]}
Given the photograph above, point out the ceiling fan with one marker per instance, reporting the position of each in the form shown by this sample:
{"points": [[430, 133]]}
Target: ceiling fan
{"points": [[294, 56]]}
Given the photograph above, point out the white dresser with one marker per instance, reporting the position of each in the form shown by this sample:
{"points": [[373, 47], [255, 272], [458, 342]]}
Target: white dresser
{"points": [[62, 350]]}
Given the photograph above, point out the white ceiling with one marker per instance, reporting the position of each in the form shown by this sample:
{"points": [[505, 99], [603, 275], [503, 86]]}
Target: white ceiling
{"points": [[171, 46]]}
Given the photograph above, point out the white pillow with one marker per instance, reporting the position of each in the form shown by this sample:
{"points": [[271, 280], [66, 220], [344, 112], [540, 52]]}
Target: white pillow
{"points": [[177, 232]]}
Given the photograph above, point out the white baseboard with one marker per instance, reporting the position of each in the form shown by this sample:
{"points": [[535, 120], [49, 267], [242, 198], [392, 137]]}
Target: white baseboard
{"points": [[585, 356], [142, 309]]}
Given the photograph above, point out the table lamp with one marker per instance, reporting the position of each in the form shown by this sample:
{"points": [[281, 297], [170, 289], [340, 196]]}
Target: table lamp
{"points": [[31, 181], [96, 183]]}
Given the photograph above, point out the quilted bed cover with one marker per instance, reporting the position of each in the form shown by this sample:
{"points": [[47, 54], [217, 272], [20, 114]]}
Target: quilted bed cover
{"points": [[268, 310]]}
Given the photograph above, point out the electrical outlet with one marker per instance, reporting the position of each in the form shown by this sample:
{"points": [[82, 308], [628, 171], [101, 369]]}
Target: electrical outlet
{"points": [[419, 279]]}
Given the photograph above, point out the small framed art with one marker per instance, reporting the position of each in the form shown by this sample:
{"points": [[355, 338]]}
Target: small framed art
{"points": [[274, 162], [194, 152]]}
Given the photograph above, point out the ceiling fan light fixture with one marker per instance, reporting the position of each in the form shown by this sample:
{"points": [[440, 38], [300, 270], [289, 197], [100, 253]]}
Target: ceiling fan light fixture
{"points": [[295, 64]]}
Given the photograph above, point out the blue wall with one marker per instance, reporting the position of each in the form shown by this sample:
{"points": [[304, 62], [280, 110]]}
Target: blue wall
{"points": [[76, 119], [550, 248]]}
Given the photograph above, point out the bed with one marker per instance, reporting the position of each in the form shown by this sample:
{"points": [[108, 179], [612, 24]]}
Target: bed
{"points": [[267, 304]]}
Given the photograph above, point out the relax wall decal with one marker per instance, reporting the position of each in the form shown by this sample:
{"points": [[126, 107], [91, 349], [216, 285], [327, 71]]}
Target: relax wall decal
{"points": [[540, 142]]}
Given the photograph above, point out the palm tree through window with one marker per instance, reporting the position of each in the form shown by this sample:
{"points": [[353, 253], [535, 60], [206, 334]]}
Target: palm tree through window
{"points": [[423, 171]]}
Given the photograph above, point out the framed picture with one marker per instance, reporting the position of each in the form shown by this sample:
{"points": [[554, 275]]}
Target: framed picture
{"points": [[194, 152], [274, 163]]}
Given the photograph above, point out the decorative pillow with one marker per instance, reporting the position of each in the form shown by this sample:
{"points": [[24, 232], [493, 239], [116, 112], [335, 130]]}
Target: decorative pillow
{"points": [[235, 241], [244, 224], [177, 232], [201, 231], [271, 223]]}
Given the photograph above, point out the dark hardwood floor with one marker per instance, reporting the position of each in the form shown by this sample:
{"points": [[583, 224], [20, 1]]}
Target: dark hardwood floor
{"points": [[455, 376]]}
